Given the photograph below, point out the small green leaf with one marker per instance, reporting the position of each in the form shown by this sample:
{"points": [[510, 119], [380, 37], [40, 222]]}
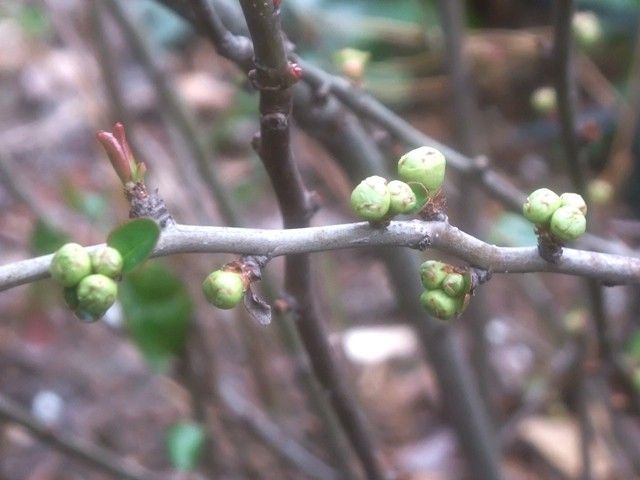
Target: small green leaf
{"points": [[633, 347], [185, 441], [422, 195], [46, 239], [512, 230], [135, 240], [157, 308]]}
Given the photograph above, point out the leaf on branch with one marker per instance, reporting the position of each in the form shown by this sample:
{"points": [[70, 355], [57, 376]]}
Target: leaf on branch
{"points": [[158, 309], [135, 240]]}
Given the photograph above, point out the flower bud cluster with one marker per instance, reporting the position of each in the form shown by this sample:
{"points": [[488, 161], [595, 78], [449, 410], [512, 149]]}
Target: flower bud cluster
{"points": [[422, 174], [224, 289], [447, 289], [563, 216], [89, 280]]}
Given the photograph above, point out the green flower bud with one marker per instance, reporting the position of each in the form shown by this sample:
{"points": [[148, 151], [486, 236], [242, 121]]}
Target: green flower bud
{"points": [[106, 261], [352, 62], [568, 223], [223, 289], [440, 305], [424, 165], [96, 293], [371, 199], [433, 273], [600, 191], [586, 29], [403, 200], [574, 200], [540, 205], [455, 285], [543, 100], [70, 264]]}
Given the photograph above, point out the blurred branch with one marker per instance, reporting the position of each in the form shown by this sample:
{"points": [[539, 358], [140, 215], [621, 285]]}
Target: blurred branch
{"points": [[273, 76], [89, 453], [275, 439], [172, 103], [608, 268], [484, 460], [566, 91]]}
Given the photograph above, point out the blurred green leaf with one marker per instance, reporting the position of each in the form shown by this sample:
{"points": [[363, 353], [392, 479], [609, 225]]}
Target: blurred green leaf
{"points": [[92, 205], [513, 231], [135, 241], [33, 21], [157, 309], [46, 239], [185, 441], [633, 347]]}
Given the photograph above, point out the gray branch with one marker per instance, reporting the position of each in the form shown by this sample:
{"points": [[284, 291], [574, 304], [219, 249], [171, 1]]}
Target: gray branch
{"points": [[608, 268]]}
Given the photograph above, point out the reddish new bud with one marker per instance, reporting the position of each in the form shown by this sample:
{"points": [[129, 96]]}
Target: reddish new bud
{"points": [[120, 155], [295, 71]]}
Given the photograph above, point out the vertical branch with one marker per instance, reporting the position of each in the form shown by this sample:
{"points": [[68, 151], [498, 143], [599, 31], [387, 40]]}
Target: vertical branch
{"points": [[273, 76], [566, 95], [465, 113], [566, 92]]}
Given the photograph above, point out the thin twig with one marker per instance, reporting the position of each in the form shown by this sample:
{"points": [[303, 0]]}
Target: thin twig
{"points": [[183, 122], [275, 439], [484, 461], [82, 450]]}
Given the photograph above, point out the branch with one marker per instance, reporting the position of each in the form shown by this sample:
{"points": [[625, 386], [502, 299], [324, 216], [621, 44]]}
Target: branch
{"points": [[274, 438], [89, 453], [605, 267], [565, 89], [365, 106], [273, 76]]}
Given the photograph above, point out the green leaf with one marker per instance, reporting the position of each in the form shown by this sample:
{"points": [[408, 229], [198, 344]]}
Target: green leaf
{"points": [[135, 240], [422, 195], [46, 239], [633, 347], [512, 230], [157, 309], [185, 441], [33, 21]]}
